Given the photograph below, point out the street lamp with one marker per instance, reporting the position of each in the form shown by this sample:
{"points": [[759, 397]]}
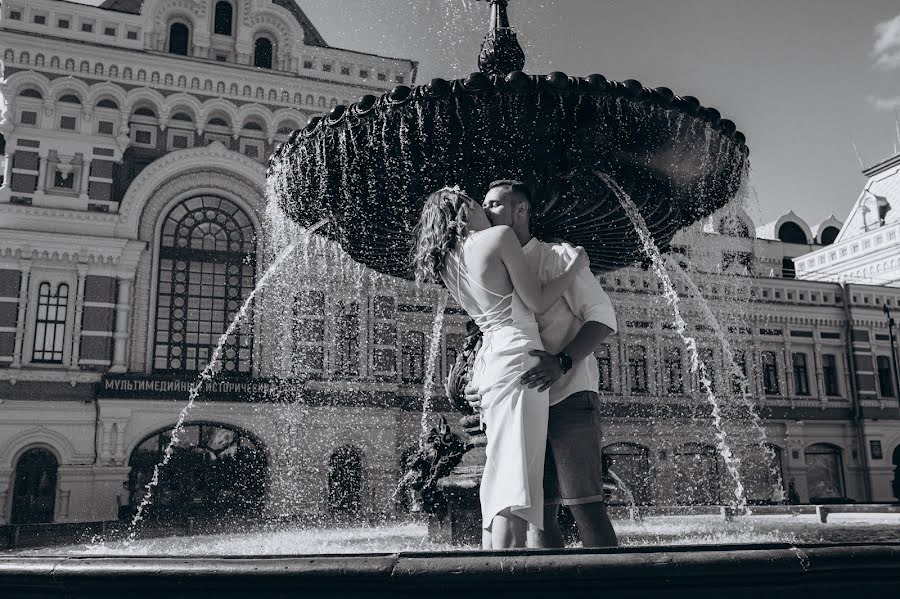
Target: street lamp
{"points": [[887, 313]]}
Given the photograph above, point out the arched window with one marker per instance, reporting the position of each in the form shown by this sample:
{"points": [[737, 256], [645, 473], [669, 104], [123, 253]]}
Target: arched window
{"points": [[223, 18], [215, 471], [207, 266], [34, 490], [69, 99], [30, 92], [143, 111], [825, 472], [630, 463], [762, 472], [790, 232], [698, 480], [179, 39], [106, 103], [50, 324], [217, 122], [183, 117], [829, 234], [262, 53], [345, 480]]}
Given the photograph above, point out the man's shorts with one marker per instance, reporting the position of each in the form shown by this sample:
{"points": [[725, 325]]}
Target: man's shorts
{"points": [[573, 463]]}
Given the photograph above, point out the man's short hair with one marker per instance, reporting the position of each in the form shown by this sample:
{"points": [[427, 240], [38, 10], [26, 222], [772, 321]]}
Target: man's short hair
{"points": [[514, 186]]}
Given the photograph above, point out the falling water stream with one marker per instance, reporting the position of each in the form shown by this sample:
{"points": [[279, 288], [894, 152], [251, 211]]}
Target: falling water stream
{"points": [[205, 376], [732, 462], [433, 351]]}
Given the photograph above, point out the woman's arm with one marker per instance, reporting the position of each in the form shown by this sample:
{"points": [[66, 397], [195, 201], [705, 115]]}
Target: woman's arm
{"points": [[536, 296]]}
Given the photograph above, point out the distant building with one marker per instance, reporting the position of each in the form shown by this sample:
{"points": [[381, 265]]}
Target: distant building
{"points": [[130, 213], [867, 250]]}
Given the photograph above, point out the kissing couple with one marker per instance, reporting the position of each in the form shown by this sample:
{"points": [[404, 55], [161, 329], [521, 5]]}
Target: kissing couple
{"points": [[534, 380]]}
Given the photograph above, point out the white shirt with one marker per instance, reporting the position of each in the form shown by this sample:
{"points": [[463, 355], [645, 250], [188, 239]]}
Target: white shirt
{"points": [[583, 301]]}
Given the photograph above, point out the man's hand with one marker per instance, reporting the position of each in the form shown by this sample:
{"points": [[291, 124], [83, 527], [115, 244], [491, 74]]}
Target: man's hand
{"points": [[473, 397], [547, 372]]}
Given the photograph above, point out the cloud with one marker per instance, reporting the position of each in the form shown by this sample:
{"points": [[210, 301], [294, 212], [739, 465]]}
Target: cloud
{"points": [[891, 104], [886, 51]]}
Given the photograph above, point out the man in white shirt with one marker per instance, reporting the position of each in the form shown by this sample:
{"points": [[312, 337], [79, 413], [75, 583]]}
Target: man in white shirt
{"points": [[571, 330]]}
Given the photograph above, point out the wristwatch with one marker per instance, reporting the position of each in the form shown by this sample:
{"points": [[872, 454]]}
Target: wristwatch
{"points": [[565, 361]]}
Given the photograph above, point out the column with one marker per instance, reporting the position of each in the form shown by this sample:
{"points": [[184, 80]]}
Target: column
{"points": [[85, 175], [7, 170], [42, 176], [20, 319], [76, 326], [789, 390], [817, 360], [120, 337]]}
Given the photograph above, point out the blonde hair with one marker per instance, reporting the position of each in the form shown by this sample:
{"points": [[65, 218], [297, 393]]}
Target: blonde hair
{"points": [[444, 219]]}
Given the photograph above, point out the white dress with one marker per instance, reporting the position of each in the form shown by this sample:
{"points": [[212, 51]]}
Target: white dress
{"points": [[514, 415]]}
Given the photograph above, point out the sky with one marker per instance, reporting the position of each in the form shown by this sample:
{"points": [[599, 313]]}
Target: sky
{"points": [[805, 80]]}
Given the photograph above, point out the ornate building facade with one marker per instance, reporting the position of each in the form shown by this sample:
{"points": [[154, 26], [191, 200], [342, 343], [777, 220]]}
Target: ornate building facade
{"points": [[131, 229]]}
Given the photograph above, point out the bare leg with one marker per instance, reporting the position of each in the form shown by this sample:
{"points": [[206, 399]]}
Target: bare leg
{"points": [[594, 526], [486, 540], [551, 537], [508, 531]]}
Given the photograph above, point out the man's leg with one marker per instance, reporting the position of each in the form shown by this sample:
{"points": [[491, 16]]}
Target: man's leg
{"points": [[551, 537], [575, 439], [594, 525]]}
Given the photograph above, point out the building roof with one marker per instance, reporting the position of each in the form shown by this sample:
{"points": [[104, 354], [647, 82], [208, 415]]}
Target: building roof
{"points": [[312, 37]]}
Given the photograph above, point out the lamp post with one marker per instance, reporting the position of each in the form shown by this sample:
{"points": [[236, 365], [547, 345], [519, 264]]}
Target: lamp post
{"points": [[896, 375]]}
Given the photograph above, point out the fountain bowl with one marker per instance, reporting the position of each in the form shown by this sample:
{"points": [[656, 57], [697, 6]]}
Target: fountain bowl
{"points": [[368, 168]]}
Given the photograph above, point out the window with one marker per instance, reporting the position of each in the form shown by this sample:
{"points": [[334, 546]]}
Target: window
{"points": [[326, 68], [132, 35], [207, 266], [69, 123], [412, 357], [69, 99], [262, 53], [143, 137], [825, 473], [801, 374], [770, 373], [604, 366], [309, 331], [399, 79], [307, 64], [179, 36], [15, 15], [179, 142], [223, 18], [30, 92], [384, 337], [63, 180], [110, 31], [50, 324], [364, 74], [637, 368], [740, 360], [708, 357], [829, 370], [63, 23], [345, 70], [28, 117], [105, 128], [87, 27], [885, 377], [382, 77], [673, 370], [788, 270], [40, 19], [107, 103], [347, 338]]}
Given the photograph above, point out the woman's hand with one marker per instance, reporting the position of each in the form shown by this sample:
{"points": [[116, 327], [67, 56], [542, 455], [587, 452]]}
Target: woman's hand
{"points": [[580, 260]]}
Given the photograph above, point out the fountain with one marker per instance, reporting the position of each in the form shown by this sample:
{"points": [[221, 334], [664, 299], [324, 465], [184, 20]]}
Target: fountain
{"points": [[605, 157]]}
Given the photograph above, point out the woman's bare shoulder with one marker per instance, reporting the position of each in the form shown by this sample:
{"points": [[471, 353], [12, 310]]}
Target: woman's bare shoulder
{"points": [[499, 234]]}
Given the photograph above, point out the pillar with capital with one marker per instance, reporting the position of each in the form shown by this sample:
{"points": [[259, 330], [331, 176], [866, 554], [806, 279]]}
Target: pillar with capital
{"points": [[79, 309], [120, 337], [20, 318]]}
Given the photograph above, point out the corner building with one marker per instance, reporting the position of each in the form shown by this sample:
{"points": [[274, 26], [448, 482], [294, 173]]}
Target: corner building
{"points": [[135, 137]]}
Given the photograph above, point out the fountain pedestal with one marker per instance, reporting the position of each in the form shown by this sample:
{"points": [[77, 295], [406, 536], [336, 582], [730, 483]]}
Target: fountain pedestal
{"points": [[462, 523]]}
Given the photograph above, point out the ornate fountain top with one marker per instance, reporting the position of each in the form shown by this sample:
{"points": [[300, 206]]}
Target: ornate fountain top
{"points": [[501, 53]]}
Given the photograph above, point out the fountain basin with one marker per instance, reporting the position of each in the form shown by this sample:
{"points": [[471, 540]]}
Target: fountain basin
{"points": [[697, 572]]}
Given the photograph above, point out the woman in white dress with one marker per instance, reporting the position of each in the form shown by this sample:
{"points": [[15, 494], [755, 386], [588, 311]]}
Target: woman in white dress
{"points": [[484, 270]]}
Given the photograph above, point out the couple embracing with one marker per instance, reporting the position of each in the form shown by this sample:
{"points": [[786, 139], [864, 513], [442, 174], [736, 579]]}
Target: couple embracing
{"points": [[542, 315]]}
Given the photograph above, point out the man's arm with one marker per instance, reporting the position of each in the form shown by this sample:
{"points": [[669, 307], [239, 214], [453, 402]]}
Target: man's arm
{"points": [[589, 302]]}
